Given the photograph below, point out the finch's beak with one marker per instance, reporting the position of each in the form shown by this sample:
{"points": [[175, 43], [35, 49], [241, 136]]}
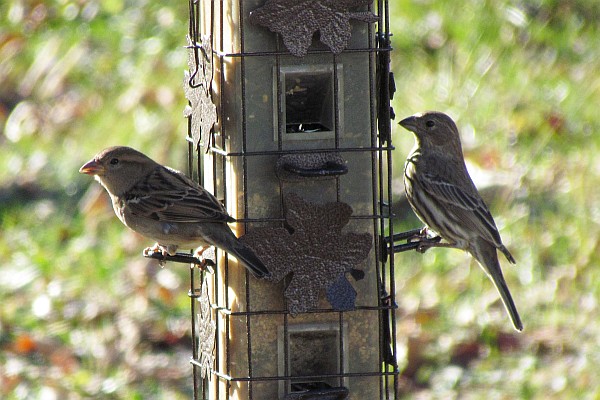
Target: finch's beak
{"points": [[92, 168], [409, 123]]}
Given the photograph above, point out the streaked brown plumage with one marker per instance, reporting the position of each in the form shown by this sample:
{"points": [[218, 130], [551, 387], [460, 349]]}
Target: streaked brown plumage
{"points": [[165, 205], [442, 194]]}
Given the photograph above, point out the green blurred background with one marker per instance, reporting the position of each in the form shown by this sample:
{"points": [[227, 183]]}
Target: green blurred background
{"points": [[82, 315]]}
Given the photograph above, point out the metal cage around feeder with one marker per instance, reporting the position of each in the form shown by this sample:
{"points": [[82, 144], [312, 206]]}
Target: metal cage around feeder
{"points": [[289, 125]]}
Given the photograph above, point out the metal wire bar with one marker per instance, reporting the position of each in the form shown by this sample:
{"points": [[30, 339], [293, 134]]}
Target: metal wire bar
{"points": [[374, 149], [245, 186], [227, 311], [216, 290], [341, 348], [280, 131], [199, 388], [296, 377], [193, 296], [281, 219], [287, 53], [184, 258]]}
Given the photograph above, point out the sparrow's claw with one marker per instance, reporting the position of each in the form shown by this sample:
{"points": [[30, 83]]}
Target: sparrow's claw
{"points": [[170, 249], [157, 248]]}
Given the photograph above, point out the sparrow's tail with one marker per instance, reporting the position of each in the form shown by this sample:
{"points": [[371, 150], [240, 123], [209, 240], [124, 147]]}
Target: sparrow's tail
{"points": [[250, 260], [226, 240], [485, 253]]}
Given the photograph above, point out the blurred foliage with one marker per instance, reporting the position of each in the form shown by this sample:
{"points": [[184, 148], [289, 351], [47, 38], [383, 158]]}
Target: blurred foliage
{"points": [[83, 316]]}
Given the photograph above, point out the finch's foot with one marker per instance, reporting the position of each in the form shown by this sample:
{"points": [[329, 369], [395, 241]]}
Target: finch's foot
{"points": [[424, 245], [426, 239], [423, 234], [429, 242]]}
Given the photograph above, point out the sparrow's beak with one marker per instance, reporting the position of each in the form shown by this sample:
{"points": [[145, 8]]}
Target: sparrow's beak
{"points": [[92, 168], [409, 123]]}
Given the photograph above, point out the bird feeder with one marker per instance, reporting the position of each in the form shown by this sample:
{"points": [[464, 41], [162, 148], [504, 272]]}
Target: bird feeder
{"points": [[289, 116]]}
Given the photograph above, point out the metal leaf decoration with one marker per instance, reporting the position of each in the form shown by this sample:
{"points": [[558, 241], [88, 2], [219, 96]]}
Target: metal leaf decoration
{"points": [[297, 21], [315, 250], [206, 332], [197, 88]]}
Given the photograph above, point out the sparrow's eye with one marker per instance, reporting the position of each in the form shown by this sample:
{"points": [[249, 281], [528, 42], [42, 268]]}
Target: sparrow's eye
{"points": [[429, 124], [114, 161]]}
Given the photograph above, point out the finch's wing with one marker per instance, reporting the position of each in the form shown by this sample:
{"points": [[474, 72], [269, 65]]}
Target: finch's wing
{"points": [[168, 195], [470, 208]]}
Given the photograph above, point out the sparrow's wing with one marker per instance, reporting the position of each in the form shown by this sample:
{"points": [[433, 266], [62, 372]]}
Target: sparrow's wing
{"points": [[470, 208], [168, 195]]}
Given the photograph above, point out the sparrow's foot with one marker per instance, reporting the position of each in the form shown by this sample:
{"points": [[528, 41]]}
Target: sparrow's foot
{"points": [[169, 250]]}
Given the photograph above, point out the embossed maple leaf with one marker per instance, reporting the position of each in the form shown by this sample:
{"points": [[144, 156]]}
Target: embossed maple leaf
{"points": [[197, 88], [316, 250], [297, 21], [206, 332]]}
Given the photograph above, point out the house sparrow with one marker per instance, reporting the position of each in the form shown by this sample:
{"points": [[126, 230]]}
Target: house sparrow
{"points": [[442, 194], [165, 205]]}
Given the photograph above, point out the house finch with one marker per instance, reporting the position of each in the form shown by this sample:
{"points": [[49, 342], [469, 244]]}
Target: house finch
{"points": [[165, 205], [442, 194]]}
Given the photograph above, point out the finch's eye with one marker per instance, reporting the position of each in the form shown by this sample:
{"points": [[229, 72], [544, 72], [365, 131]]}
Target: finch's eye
{"points": [[114, 161], [429, 124]]}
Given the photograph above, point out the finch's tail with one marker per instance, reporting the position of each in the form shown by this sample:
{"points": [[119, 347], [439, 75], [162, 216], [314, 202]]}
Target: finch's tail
{"points": [[485, 253], [509, 256]]}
